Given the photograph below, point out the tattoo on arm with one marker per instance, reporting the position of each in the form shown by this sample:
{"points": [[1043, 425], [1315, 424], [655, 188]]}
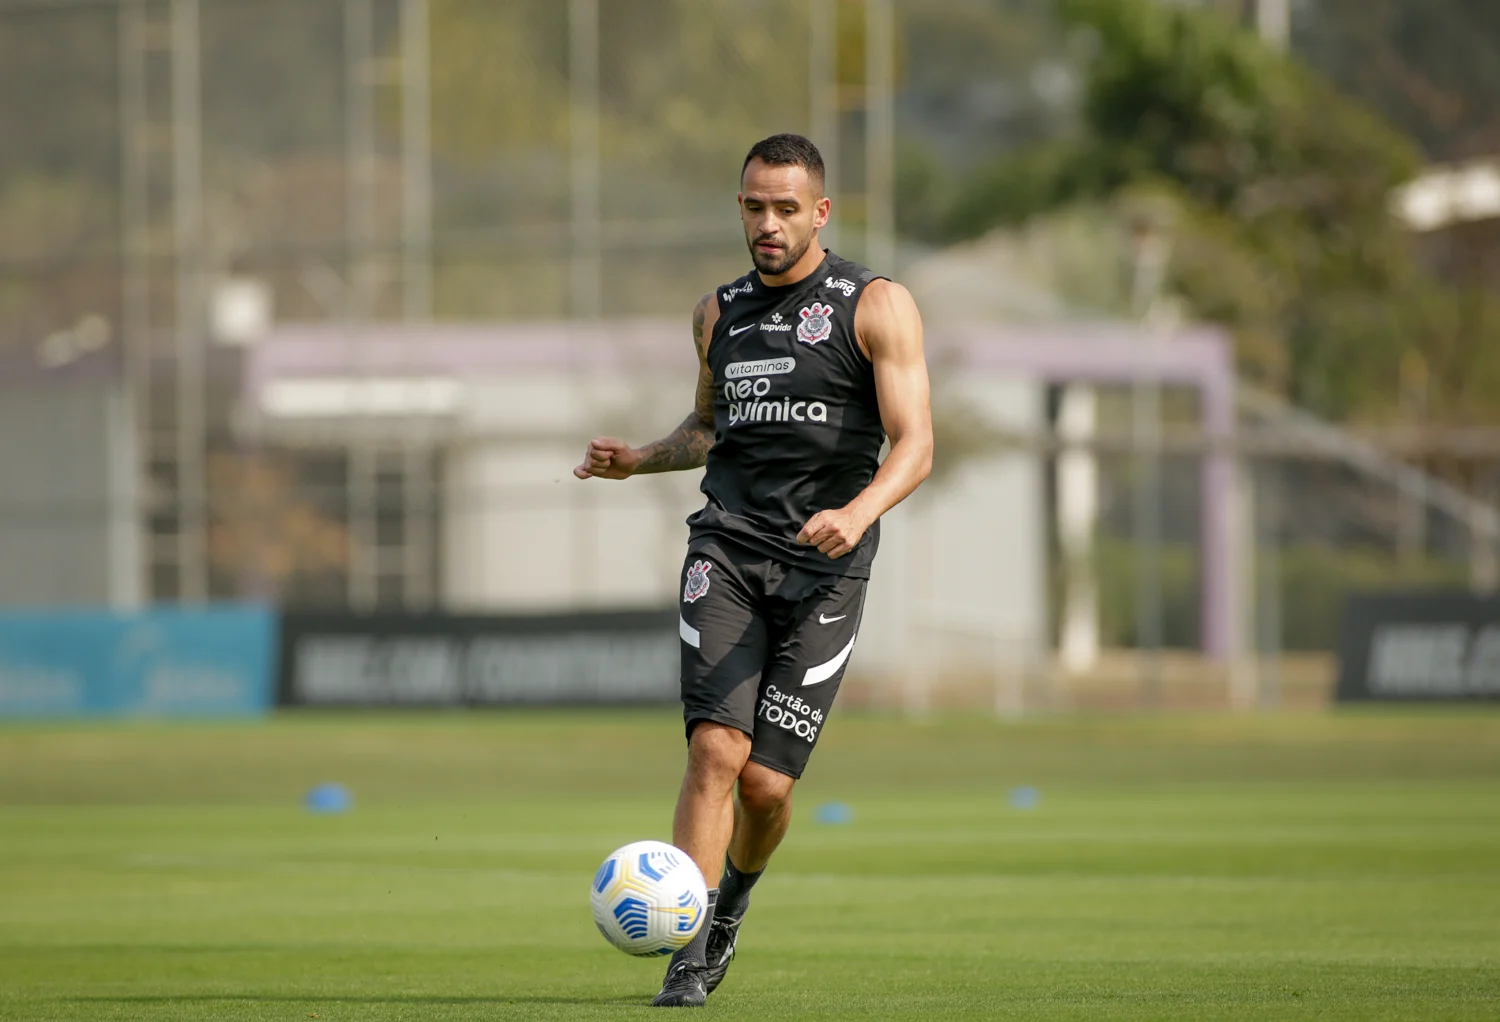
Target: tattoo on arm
{"points": [[687, 446]]}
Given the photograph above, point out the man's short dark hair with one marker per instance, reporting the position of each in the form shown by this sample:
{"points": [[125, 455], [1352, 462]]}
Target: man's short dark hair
{"points": [[788, 150]]}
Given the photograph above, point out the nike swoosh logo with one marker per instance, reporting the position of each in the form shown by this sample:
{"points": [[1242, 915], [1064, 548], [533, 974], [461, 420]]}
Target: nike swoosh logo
{"points": [[737, 330], [822, 620]]}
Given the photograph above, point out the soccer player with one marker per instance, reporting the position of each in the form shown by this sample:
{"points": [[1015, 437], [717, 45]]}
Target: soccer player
{"points": [[806, 365]]}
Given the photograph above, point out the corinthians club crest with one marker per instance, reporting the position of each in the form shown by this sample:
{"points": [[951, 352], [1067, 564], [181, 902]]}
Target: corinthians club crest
{"points": [[816, 324], [697, 581]]}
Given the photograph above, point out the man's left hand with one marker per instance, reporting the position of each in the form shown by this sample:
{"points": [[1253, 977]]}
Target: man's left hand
{"points": [[835, 533]]}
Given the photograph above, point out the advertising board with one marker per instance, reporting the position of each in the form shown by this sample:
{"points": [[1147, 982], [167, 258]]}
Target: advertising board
{"points": [[389, 659], [213, 661], [1419, 646]]}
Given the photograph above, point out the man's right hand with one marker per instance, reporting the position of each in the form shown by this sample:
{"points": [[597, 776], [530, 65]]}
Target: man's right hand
{"points": [[608, 458]]}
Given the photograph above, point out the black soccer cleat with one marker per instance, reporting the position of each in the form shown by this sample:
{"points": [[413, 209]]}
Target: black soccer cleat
{"points": [[722, 935], [684, 987]]}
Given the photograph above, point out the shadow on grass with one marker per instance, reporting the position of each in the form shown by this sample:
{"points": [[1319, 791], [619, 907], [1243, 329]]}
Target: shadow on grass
{"points": [[314, 1000]]}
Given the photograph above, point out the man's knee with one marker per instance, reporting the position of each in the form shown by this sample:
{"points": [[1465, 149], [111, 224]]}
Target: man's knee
{"points": [[717, 752], [763, 791]]}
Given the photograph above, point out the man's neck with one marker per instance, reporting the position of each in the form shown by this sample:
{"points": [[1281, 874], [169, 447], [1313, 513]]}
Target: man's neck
{"points": [[801, 270]]}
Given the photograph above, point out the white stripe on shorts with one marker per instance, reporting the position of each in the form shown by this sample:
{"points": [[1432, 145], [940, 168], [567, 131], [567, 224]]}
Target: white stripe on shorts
{"points": [[821, 673]]}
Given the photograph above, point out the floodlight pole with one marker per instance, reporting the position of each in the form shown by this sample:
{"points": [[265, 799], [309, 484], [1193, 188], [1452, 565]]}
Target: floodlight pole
{"points": [[135, 339], [359, 138], [880, 136], [583, 130], [1077, 515], [823, 87], [1151, 252], [416, 160], [1268, 511], [418, 538], [587, 285], [187, 208]]}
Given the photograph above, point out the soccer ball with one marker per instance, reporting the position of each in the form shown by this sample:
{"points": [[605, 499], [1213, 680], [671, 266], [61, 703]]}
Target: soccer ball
{"points": [[648, 899]]}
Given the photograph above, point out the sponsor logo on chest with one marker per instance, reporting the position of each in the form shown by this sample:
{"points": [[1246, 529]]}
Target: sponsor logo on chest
{"points": [[762, 367], [748, 390]]}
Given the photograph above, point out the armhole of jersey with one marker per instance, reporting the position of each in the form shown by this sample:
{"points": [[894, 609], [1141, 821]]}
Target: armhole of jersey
{"points": [[859, 350]]}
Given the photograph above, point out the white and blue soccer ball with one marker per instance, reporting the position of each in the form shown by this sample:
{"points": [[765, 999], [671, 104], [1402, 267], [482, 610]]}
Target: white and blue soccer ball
{"points": [[649, 899]]}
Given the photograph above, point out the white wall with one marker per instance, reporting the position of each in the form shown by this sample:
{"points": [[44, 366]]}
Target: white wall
{"points": [[69, 532], [521, 533], [959, 585]]}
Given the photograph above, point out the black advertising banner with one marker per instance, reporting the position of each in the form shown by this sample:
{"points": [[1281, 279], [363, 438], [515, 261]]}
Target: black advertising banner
{"points": [[394, 659], [1419, 646]]}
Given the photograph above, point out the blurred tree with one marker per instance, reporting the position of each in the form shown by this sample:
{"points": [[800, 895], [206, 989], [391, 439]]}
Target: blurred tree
{"points": [[272, 85], [56, 236], [267, 530], [500, 78], [982, 78], [57, 172], [1431, 66], [1281, 188], [58, 93]]}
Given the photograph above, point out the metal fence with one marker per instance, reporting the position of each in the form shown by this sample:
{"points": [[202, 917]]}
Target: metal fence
{"points": [[179, 170], [179, 173]]}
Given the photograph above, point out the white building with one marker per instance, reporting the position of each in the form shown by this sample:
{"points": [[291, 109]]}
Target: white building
{"points": [[959, 588]]}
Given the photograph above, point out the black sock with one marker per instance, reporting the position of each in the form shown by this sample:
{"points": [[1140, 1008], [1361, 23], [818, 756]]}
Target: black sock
{"points": [[697, 948], [734, 890]]}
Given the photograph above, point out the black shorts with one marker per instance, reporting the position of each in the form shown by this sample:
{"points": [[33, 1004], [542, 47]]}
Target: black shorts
{"points": [[764, 647]]}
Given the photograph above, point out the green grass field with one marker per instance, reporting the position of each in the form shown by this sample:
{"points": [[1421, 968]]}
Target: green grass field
{"points": [[1337, 866]]}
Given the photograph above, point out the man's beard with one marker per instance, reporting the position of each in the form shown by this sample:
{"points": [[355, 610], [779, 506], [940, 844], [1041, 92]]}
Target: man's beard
{"points": [[775, 265]]}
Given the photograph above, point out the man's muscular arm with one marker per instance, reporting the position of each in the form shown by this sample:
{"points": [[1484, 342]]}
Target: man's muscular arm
{"points": [[686, 446], [889, 327]]}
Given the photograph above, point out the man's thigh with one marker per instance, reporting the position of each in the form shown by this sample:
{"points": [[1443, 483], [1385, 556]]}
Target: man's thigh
{"points": [[725, 639], [815, 641]]}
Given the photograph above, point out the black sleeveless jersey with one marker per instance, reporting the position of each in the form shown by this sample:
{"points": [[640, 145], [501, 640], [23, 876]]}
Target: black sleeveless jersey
{"points": [[797, 425]]}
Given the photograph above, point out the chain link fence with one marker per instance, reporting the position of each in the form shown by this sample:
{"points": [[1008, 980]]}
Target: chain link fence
{"points": [[182, 174]]}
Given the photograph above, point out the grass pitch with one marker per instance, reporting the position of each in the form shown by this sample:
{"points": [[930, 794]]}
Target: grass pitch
{"points": [[1340, 866]]}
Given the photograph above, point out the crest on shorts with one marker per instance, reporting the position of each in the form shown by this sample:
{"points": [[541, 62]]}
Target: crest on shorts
{"points": [[816, 324], [697, 581]]}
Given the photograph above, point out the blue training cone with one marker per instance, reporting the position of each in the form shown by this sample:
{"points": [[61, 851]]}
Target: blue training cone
{"points": [[329, 798], [1024, 797], [835, 812]]}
